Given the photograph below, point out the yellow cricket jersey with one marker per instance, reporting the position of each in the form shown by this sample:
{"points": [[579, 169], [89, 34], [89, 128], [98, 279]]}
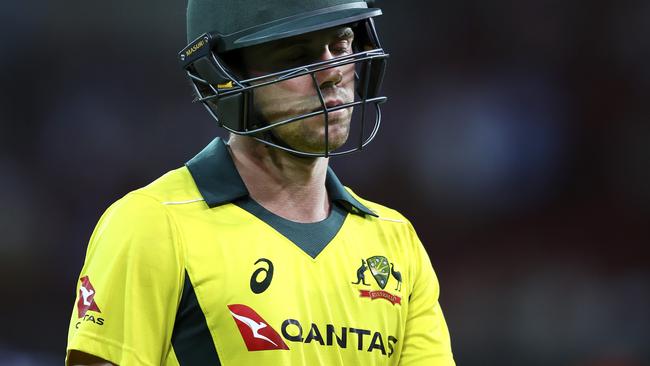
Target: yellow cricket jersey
{"points": [[190, 271]]}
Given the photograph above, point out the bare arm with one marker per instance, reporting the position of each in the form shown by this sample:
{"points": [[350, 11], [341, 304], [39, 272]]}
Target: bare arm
{"points": [[83, 359]]}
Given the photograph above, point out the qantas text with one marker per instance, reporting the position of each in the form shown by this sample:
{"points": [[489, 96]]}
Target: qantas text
{"points": [[90, 318], [363, 339]]}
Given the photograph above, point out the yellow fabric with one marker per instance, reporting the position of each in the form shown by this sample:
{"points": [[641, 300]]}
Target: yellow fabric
{"points": [[143, 245]]}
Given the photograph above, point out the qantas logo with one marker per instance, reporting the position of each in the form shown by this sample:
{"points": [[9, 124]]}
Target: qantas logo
{"points": [[86, 297], [257, 333], [260, 336]]}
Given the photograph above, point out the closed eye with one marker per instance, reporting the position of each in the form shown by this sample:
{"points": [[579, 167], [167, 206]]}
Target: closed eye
{"points": [[343, 47]]}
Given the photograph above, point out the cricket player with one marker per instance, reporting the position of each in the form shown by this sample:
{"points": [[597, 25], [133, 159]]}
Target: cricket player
{"points": [[254, 253]]}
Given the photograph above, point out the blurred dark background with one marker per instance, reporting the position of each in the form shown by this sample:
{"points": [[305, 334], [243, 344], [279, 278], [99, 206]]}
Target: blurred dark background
{"points": [[516, 138]]}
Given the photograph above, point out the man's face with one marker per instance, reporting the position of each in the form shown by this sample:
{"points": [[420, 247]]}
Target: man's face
{"points": [[297, 96]]}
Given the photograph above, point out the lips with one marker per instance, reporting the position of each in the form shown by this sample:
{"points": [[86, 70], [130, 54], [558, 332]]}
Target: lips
{"points": [[333, 103], [330, 103]]}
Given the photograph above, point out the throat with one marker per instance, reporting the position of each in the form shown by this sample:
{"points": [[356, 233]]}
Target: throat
{"points": [[290, 187]]}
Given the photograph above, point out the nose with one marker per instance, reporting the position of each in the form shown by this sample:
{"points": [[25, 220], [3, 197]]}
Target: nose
{"points": [[329, 77]]}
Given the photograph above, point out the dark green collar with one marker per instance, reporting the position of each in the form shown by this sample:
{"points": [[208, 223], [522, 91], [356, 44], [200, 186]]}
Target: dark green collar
{"points": [[219, 182]]}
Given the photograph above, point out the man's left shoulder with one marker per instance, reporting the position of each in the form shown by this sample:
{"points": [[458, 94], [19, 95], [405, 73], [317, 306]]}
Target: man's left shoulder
{"points": [[384, 213]]}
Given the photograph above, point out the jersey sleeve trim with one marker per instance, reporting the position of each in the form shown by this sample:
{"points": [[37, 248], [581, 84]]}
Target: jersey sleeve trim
{"points": [[104, 348]]}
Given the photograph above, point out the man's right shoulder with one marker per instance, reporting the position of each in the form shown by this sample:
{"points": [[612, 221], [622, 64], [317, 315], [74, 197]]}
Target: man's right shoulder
{"points": [[173, 188], [143, 216]]}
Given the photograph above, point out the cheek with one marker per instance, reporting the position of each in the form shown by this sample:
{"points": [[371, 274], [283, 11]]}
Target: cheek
{"points": [[296, 89], [292, 88], [348, 76], [297, 85], [348, 69]]}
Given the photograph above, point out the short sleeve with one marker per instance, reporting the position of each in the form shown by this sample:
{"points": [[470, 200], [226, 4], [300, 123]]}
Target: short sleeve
{"points": [[129, 286], [426, 340]]}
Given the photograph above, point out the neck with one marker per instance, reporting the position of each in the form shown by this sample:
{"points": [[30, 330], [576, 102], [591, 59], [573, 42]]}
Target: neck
{"points": [[291, 187]]}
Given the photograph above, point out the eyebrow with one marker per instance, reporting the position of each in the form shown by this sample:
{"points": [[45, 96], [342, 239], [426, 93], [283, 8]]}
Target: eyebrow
{"points": [[346, 32], [342, 33]]}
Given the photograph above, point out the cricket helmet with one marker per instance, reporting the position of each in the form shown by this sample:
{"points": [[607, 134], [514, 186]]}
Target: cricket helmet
{"points": [[216, 28]]}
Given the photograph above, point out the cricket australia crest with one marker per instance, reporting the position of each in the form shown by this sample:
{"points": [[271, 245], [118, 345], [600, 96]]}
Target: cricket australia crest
{"points": [[380, 269]]}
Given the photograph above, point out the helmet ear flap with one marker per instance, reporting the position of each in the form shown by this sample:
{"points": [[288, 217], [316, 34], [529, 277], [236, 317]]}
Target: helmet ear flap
{"points": [[371, 76], [198, 59], [230, 110], [370, 73], [206, 69], [233, 110]]}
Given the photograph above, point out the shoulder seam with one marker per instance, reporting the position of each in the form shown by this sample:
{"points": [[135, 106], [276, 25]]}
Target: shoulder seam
{"points": [[182, 202], [391, 220], [378, 209]]}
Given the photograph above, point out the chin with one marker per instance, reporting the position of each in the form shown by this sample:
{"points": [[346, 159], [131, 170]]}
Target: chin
{"points": [[337, 136], [309, 135]]}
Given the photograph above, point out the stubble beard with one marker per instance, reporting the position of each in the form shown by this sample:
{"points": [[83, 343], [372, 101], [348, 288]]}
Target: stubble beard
{"points": [[308, 134]]}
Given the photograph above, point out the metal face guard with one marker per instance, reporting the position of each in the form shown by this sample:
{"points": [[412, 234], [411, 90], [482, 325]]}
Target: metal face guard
{"points": [[229, 99]]}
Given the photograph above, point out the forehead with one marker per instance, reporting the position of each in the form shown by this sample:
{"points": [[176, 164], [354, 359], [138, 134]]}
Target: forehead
{"points": [[323, 36]]}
